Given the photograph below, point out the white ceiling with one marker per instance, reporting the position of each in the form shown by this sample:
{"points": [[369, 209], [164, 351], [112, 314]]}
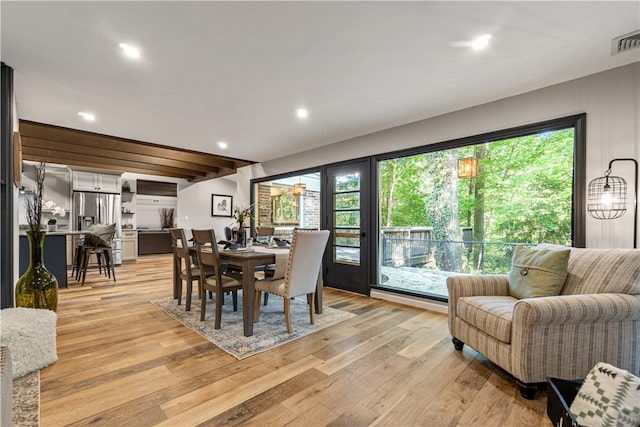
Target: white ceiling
{"points": [[237, 71]]}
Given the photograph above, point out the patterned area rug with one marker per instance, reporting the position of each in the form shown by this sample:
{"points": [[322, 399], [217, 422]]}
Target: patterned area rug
{"points": [[269, 332], [26, 400]]}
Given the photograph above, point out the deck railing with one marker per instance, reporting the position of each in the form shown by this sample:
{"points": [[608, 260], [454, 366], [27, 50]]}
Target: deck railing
{"points": [[477, 257]]}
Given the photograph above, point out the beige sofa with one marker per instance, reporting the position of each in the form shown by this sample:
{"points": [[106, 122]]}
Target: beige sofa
{"points": [[596, 318]]}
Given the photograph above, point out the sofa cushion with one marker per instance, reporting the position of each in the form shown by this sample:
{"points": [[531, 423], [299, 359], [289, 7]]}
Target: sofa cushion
{"points": [[490, 314], [597, 271], [538, 272]]}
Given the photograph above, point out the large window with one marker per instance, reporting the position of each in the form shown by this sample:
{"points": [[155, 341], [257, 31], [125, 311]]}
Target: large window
{"points": [[462, 207]]}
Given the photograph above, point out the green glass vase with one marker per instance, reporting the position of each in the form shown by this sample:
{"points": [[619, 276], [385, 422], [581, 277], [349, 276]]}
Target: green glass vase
{"points": [[37, 287]]}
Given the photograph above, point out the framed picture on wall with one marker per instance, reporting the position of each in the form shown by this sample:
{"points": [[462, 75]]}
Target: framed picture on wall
{"points": [[221, 205], [284, 209]]}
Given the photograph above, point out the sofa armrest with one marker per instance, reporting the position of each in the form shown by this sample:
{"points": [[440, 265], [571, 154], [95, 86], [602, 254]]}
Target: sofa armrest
{"points": [[565, 336], [468, 286], [576, 309]]}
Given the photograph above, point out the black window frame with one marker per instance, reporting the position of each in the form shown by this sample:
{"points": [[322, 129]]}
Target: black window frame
{"points": [[578, 199]]}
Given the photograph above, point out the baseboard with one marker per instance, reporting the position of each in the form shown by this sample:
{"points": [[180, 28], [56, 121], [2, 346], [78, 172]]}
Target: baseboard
{"points": [[439, 307]]}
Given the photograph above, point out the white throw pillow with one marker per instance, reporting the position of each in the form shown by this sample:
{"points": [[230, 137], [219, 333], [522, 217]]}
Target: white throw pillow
{"points": [[609, 397]]}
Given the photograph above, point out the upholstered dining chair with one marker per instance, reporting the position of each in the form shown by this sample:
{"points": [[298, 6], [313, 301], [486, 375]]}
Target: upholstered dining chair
{"points": [[184, 269], [264, 235], [305, 258], [218, 283]]}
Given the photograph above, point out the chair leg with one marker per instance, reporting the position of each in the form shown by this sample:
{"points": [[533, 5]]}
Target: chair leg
{"points": [[312, 297], [85, 264], [203, 307], [256, 306], [287, 313], [234, 296], [179, 289], [527, 390], [219, 297], [457, 344], [266, 298], [112, 264], [189, 291]]}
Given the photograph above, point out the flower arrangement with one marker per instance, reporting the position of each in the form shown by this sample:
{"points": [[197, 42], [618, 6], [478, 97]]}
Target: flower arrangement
{"points": [[55, 210], [33, 203], [242, 214]]}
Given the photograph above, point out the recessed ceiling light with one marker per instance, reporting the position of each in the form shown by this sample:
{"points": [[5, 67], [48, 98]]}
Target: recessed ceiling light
{"points": [[130, 51], [481, 42], [87, 116], [223, 145], [302, 113]]}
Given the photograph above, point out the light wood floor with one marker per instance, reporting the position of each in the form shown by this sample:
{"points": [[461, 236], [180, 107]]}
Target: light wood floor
{"points": [[123, 362]]}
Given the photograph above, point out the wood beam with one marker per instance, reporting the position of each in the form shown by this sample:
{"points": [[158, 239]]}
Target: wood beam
{"points": [[44, 142]]}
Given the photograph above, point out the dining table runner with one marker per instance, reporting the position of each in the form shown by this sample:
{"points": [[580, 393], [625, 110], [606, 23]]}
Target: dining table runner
{"points": [[281, 254]]}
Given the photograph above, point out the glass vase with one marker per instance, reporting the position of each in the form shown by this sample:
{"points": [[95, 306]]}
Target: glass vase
{"points": [[37, 287]]}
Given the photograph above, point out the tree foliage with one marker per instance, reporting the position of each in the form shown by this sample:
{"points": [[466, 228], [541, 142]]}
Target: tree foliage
{"points": [[522, 194]]}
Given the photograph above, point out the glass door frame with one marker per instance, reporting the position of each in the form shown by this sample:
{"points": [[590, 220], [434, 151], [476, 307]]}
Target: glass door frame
{"points": [[367, 253]]}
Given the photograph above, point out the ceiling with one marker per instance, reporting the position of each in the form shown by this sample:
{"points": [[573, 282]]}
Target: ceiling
{"points": [[237, 71]]}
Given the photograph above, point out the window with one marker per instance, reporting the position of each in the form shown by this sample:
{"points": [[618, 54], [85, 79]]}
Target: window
{"points": [[463, 206]]}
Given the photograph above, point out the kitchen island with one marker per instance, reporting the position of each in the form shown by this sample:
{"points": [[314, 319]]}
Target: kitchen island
{"points": [[55, 254]]}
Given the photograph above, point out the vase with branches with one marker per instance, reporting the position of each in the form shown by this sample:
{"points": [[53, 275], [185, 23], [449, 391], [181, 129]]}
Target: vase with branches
{"points": [[37, 287], [166, 217], [242, 215]]}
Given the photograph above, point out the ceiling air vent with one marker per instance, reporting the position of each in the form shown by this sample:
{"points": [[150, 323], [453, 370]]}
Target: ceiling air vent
{"points": [[625, 42]]}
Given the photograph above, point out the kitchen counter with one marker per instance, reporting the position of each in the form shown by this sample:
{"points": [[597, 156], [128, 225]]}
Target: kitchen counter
{"points": [[56, 233]]}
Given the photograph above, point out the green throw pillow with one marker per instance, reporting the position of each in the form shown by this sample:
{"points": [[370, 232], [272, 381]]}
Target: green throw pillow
{"points": [[537, 272], [609, 396]]}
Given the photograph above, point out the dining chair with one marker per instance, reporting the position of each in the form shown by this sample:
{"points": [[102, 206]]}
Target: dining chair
{"points": [[184, 269], [218, 283], [305, 258], [264, 235]]}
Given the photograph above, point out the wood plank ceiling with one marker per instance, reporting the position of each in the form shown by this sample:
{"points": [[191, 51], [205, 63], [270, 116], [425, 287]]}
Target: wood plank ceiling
{"points": [[54, 144]]}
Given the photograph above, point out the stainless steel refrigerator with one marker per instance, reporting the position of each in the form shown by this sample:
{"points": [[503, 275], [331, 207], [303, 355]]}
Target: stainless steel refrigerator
{"points": [[98, 208]]}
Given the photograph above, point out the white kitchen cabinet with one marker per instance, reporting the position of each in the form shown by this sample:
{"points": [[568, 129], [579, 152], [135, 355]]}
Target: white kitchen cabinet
{"points": [[129, 245], [99, 182], [57, 187]]}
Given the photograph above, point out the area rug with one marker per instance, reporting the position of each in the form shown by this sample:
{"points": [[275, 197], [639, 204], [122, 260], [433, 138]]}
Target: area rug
{"points": [[26, 400], [269, 332]]}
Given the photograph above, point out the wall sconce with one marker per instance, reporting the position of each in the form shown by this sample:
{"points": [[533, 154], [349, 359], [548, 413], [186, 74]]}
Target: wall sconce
{"points": [[467, 167], [607, 197], [299, 189]]}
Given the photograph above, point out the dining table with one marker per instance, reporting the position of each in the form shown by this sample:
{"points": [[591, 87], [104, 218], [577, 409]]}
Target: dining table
{"points": [[248, 260]]}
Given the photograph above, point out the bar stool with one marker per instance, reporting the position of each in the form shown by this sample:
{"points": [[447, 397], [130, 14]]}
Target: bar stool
{"points": [[97, 243]]}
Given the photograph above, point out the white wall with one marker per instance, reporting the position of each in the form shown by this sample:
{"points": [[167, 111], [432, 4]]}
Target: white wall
{"points": [[194, 205], [611, 100]]}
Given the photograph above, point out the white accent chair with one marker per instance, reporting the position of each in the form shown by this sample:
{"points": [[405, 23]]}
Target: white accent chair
{"points": [[305, 259], [596, 318]]}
